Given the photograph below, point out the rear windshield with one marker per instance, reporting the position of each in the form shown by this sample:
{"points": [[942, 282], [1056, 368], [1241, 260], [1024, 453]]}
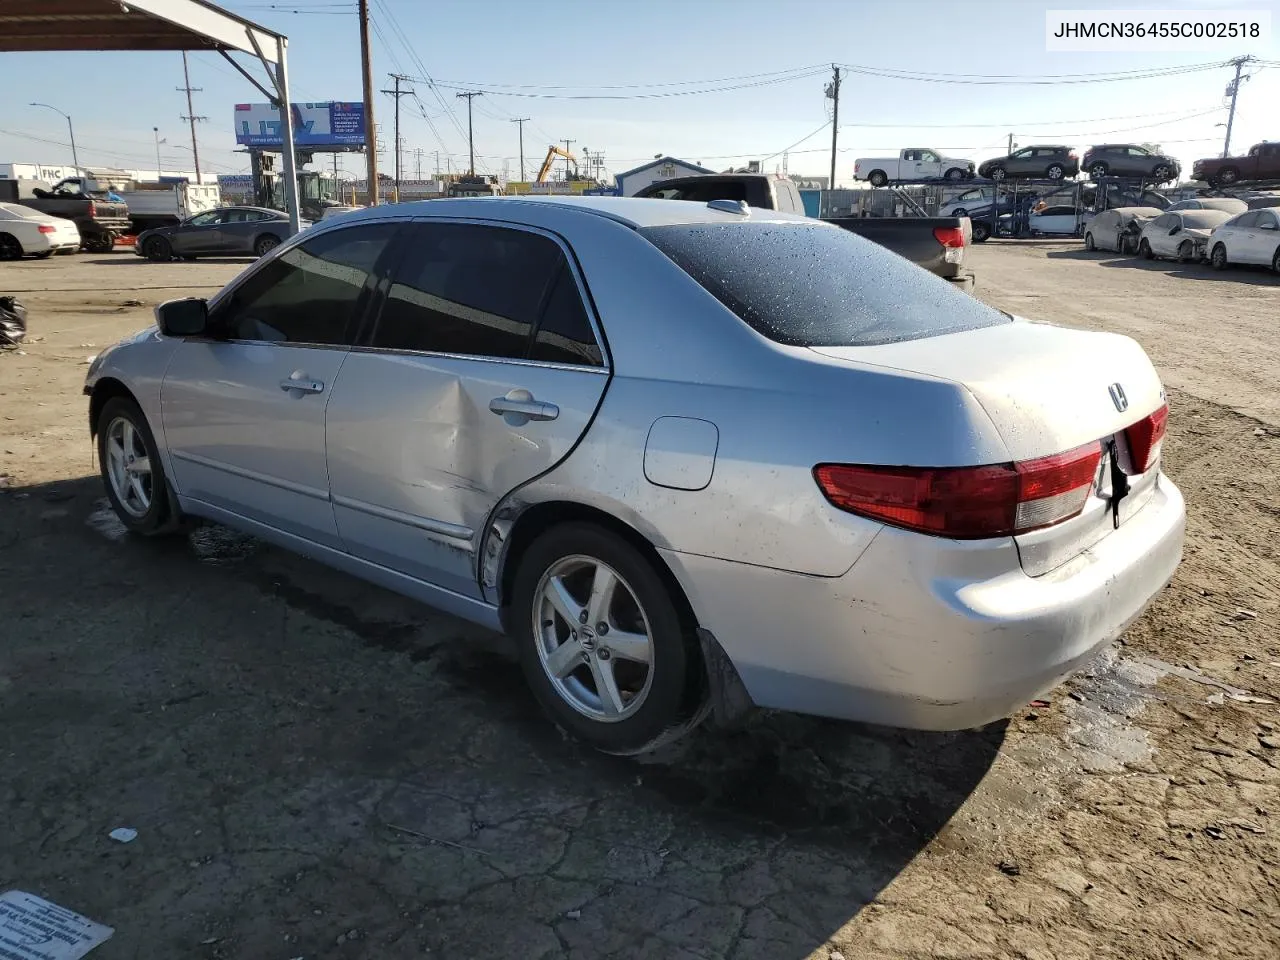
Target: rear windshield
{"points": [[810, 285]]}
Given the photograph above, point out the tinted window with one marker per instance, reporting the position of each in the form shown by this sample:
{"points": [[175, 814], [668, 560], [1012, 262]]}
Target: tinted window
{"points": [[462, 288], [815, 285], [204, 219], [308, 294], [1246, 220], [1266, 218], [1138, 152], [705, 192], [1201, 219], [564, 333]]}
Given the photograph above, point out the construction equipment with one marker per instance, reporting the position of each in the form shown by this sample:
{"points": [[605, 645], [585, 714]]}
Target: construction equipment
{"points": [[552, 152]]}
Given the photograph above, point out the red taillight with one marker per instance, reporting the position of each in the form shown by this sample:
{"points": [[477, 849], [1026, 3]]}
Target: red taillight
{"points": [[46, 228], [1144, 439], [93, 210], [967, 503], [949, 236]]}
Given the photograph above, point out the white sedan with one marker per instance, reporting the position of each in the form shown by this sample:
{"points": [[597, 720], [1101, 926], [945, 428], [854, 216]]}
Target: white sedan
{"points": [[1181, 235], [1249, 237], [26, 231]]}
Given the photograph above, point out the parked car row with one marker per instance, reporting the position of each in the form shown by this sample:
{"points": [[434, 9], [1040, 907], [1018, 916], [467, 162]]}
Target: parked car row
{"points": [[1191, 231], [1037, 162]]}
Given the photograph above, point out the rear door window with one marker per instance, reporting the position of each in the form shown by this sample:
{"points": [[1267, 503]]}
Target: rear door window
{"points": [[810, 285], [468, 289]]}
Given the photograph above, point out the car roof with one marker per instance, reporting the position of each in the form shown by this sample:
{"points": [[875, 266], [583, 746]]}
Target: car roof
{"points": [[238, 206], [630, 211]]}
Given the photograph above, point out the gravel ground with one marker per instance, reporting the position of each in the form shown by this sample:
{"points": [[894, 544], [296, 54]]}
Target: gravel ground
{"points": [[317, 768]]}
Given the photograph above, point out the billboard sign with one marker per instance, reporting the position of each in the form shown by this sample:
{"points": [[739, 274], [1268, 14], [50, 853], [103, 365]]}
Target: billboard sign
{"points": [[317, 125]]}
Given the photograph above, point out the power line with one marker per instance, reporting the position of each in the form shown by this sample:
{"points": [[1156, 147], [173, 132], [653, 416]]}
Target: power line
{"points": [[492, 90], [1028, 80]]}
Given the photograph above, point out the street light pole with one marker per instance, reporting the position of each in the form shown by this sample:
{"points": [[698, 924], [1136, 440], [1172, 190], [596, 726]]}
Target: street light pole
{"points": [[75, 160], [159, 171]]}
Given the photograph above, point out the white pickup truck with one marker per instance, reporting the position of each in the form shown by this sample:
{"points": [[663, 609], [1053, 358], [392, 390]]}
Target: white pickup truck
{"points": [[914, 163]]}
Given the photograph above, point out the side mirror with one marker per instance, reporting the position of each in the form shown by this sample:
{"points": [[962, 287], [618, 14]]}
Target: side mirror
{"points": [[1266, 226], [183, 318], [1174, 230]]}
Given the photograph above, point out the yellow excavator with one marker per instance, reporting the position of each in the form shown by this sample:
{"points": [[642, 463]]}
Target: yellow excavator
{"points": [[552, 152]]}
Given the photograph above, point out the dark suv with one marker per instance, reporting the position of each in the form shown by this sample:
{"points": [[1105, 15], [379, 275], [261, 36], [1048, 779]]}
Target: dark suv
{"points": [[1130, 160], [1037, 163]]}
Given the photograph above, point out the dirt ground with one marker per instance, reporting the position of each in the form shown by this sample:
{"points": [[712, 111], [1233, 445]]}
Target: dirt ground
{"points": [[317, 768]]}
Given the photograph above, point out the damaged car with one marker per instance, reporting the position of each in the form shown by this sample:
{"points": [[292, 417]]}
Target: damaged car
{"points": [[689, 457]]}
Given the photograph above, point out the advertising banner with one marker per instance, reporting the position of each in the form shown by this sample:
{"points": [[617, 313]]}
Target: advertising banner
{"points": [[317, 125]]}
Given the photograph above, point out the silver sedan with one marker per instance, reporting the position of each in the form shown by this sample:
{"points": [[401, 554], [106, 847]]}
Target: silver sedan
{"points": [[690, 457]]}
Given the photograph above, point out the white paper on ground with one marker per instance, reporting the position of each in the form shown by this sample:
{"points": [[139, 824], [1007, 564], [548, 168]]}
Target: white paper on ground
{"points": [[35, 929]]}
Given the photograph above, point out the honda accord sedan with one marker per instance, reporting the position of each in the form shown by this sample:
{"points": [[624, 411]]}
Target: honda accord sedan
{"points": [[689, 457]]}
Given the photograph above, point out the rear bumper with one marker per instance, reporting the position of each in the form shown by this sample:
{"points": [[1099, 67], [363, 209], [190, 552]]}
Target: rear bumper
{"points": [[929, 633]]}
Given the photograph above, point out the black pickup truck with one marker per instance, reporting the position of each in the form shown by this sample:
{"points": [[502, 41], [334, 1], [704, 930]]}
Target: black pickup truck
{"points": [[99, 221], [935, 243]]}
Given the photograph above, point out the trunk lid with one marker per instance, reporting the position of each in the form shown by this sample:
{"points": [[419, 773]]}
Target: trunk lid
{"points": [[1046, 390]]}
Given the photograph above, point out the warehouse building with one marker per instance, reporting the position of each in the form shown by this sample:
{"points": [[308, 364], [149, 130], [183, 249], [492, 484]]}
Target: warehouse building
{"points": [[662, 168]]}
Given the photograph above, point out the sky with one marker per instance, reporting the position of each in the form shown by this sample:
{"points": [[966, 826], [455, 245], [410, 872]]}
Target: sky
{"points": [[601, 73]]}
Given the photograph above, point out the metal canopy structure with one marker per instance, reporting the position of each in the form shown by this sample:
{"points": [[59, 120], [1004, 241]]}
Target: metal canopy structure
{"points": [[150, 25]]}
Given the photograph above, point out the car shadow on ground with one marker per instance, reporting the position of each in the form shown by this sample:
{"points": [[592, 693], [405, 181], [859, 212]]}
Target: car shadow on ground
{"points": [[1257, 276], [284, 735]]}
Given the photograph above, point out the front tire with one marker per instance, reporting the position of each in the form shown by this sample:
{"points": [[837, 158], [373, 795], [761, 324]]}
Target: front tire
{"points": [[10, 248], [998, 173], [1275, 260], [1144, 249], [131, 469], [1162, 173], [1055, 171], [981, 231], [1088, 242], [1228, 175], [602, 642], [158, 250], [1218, 257], [1186, 251], [955, 173], [1098, 171]]}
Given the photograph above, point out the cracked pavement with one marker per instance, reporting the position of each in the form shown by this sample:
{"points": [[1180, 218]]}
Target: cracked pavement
{"points": [[318, 768]]}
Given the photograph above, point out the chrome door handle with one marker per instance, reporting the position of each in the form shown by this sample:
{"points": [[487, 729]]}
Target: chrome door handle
{"points": [[518, 407], [302, 385]]}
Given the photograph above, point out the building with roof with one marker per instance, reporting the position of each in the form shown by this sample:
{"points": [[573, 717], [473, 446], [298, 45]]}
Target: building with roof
{"points": [[661, 168]]}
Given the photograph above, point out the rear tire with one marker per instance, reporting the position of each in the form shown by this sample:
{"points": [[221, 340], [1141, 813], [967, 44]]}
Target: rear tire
{"points": [[656, 702], [1055, 171], [158, 249], [1088, 242], [1098, 171], [1218, 257], [998, 173], [981, 231], [1186, 252], [131, 469], [955, 173], [10, 248], [265, 244], [1144, 249], [1162, 173], [1228, 175], [878, 178], [1275, 260]]}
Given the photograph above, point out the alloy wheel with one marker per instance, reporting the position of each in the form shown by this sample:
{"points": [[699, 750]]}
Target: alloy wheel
{"points": [[593, 638], [129, 467]]}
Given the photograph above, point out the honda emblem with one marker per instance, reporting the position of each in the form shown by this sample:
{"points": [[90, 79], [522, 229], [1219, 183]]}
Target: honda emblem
{"points": [[1118, 397]]}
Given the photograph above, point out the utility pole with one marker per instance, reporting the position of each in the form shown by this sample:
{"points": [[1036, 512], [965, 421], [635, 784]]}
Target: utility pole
{"points": [[833, 91], [1010, 150], [521, 121], [417, 154], [159, 171], [370, 132], [471, 140], [566, 159], [397, 93], [1233, 88], [191, 113], [437, 153]]}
